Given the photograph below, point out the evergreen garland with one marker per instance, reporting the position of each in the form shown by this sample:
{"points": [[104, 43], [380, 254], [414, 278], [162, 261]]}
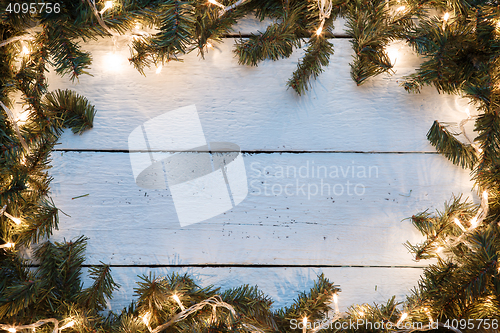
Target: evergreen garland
{"points": [[460, 51]]}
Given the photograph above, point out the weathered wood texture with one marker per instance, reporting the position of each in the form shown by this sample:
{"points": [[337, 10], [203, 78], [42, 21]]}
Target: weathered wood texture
{"points": [[251, 107], [336, 125], [344, 225]]}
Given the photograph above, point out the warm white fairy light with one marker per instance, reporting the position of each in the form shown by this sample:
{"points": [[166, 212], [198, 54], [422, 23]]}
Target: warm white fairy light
{"points": [[325, 9], [467, 112], [33, 326], [304, 325], [159, 68], [403, 317], [457, 222], [446, 16], [70, 324], [107, 5], [145, 320], [473, 222], [213, 2], [320, 29], [7, 245], [177, 299], [393, 54], [336, 303], [25, 51], [16, 220], [400, 8], [485, 196], [429, 316]]}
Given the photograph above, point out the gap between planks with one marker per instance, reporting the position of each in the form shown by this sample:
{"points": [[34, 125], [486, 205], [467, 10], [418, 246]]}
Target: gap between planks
{"points": [[251, 152], [239, 266]]}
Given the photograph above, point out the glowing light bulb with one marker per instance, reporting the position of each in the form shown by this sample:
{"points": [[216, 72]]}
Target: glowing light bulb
{"points": [[457, 222], [70, 324], [320, 29], [485, 195], [209, 45], [12, 330], [403, 317], [428, 313], [361, 314], [400, 9], [113, 62], [177, 299], [480, 150], [392, 53], [137, 26], [213, 2], [7, 245], [468, 112], [473, 222], [25, 51], [145, 318], [439, 249], [158, 69], [12, 218], [23, 116], [446, 16], [107, 5], [304, 325]]}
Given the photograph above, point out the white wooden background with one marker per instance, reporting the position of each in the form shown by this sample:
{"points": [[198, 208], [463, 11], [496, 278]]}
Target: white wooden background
{"points": [[279, 243]]}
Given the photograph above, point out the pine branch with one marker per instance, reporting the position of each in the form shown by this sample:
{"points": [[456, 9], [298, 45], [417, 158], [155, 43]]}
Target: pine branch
{"points": [[368, 26], [66, 54], [369, 314], [94, 297], [74, 110], [176, 36], [454, 150], [317, 55], [211, 26], [60, 270], [453, 56], [488, 127], [18, 297], [39, 224], [439, 227], [313, 305], [253, 305], [277, 42]]}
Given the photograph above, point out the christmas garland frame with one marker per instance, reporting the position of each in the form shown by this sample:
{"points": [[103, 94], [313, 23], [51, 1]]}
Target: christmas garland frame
{"points": [[460, 45]]}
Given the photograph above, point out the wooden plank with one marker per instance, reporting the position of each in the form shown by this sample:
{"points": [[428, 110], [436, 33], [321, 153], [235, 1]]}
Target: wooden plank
{"points": [[359, 284], [251, 107], [129, 225]]}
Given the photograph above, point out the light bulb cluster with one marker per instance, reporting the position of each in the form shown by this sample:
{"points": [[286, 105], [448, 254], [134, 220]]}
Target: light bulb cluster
{"points": [[34, 326]]}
